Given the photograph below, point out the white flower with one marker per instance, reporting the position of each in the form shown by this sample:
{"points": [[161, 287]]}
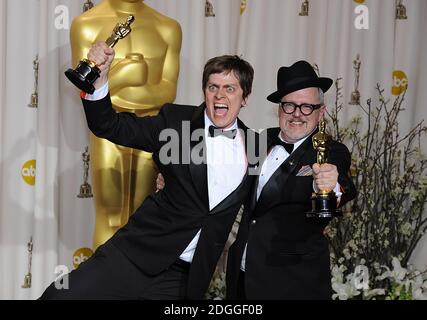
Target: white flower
{"points": [[419, 287], [370, 293], [419, 295], [352, 245], [338, 273], [344, 291], [406, 229], [346, 253], [397, 274]]}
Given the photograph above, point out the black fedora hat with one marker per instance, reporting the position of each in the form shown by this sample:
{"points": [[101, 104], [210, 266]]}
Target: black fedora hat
{"points": [[298, 76]]}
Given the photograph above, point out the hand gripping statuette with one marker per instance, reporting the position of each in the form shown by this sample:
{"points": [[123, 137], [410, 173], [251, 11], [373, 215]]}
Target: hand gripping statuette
{"points": [[87, 72], [323, 202]]}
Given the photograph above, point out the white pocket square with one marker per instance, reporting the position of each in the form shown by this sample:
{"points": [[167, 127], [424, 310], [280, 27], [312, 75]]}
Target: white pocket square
{"points": [[305, 171]]}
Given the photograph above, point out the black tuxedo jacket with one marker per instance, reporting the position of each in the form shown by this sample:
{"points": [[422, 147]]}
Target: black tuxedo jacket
{"points": [[162, 227], [287, 257]]}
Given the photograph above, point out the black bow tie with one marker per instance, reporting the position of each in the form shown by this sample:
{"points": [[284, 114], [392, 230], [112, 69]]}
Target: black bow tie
{"points": [[215, 132], [289, 147]]}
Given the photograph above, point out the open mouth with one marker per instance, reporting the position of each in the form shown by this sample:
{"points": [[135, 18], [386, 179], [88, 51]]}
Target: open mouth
{"points": [[220, 109]]}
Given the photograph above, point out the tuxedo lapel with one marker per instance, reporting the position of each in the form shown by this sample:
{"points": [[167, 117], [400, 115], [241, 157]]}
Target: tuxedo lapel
{"points": [[198, 171], [272, 190], [233, 197], [253, 199], [271, 132]]}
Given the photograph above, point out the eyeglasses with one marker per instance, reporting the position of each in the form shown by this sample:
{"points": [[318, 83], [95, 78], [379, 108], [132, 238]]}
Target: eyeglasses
{"points": [[305, 108]]}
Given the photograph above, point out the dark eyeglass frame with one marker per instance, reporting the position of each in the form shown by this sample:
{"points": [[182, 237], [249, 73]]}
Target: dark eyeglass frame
{"points": [[300, 106]]}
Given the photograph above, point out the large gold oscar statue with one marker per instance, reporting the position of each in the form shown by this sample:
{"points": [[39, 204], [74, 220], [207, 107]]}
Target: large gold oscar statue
{"points": [[142, 78]]}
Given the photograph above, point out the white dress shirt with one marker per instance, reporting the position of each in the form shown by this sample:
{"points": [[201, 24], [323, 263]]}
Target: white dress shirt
{"points": [[98, 94]]}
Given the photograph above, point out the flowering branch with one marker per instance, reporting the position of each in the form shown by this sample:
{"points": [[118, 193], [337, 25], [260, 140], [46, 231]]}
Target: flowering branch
{"points": [[386, 218]]}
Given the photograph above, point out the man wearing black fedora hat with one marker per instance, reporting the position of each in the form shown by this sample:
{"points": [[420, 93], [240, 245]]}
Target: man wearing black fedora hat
{"points": [[278, 253]]}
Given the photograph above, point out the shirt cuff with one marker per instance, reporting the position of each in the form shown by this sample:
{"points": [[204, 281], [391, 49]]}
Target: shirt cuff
{"points": [[98, 94], [337, 189]]}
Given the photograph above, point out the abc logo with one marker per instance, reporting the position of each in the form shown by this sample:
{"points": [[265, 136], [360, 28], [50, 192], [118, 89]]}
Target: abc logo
{"points": [[359, 1], [28, 172], [400, 82], [81, 255]]}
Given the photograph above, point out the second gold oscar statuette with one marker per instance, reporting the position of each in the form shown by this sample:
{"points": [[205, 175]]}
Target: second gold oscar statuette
{"points": [[323, 202]]}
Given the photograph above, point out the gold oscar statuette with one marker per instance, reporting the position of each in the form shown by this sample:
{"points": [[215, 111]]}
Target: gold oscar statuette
{"points": [[87, 72], [400, 11], [34, 100], [27, 278], [85, 188], [243, 5], [143, 77], [323, 202], [304, 8], [87, 5], [355, 95], [209, 12]]}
